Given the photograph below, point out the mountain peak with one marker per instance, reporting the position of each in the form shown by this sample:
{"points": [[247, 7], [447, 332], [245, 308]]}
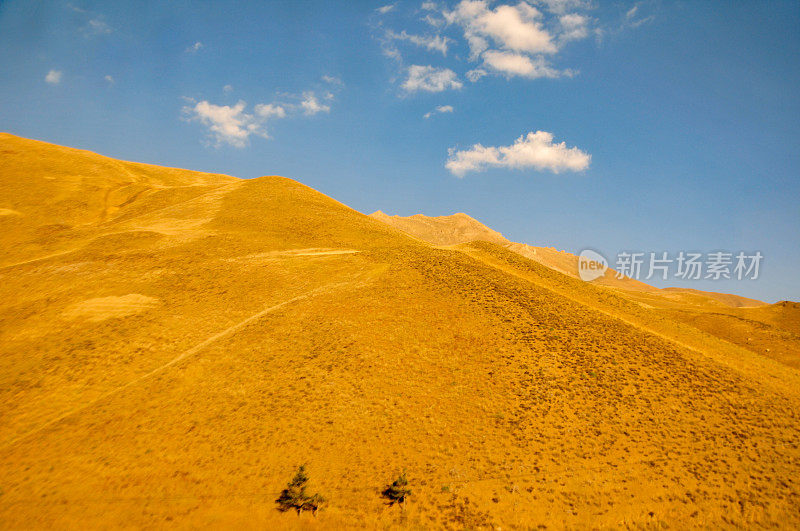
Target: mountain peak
{"points": [[443, 230]]}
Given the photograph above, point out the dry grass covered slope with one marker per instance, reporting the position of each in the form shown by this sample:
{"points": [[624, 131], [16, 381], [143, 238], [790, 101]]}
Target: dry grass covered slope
{"points": [[443, 230], [174, 353], [461, 228], [771, 331]]}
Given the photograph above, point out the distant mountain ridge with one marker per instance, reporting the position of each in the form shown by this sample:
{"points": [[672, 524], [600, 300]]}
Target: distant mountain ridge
{"points": [[461, 228], [443, 230]]}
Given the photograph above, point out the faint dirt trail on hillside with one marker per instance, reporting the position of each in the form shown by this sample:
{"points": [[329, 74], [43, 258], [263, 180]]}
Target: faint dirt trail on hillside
{"points": [[221, 188], [41, 258], [777, 375], [294, 253], [111, 221], [107, 197], [180, 357]]}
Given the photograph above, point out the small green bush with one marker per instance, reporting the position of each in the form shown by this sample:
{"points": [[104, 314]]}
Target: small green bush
{"points": [[294, 495], [398, 491]]}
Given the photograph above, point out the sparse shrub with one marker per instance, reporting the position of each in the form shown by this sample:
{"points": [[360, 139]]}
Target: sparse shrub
{"points": [[398, 491], [294, 495]]}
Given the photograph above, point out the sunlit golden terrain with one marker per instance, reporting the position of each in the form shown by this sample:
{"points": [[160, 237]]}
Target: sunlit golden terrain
{"points": [[174, 344]]}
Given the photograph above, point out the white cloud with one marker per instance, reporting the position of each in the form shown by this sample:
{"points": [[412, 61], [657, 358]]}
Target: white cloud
{"points": [[333, 80], [430, 79], [560, 7], [270, 110], [94, 25], [227, 89], [194, 47], [518, 40], [514, 64], [385, 9], [475, 74], [97, 26], [53, 77], [642, 21], [434, 43], [574, 27], [110, 79], [311, 105], [536, 150], [510, 38], [392, 52], [436, 22], [517, 28], [431, 18], [226, 124], [234, 126], [634, 18], [441, 109]]}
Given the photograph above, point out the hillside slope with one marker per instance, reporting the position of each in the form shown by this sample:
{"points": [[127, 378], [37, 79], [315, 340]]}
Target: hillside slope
{"points": [[461, 228], [765, 330], [185, 352], [443, 230]]}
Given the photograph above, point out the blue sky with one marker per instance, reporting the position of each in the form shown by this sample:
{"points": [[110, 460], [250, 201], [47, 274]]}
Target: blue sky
{"points": [[680, 121]]}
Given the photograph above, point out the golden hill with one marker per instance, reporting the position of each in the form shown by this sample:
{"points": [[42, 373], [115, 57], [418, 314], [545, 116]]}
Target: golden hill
{"points": [[771, 331], [461, 228], [174, 344], [443, 230]]}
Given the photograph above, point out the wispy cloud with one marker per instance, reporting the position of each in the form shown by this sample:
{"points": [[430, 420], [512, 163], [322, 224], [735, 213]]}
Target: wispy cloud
{"points": [[92, 23], [391, 51], [385, 9], [634, 17], [435, 43], [234, 125], [559, 7], [270, 110], [109, 79], [438, 110], [333, 80], [430, 79], [573, 26], [194, 48], [97, 26], [311, 104], [475, 74], [535, 150], [53, 77]]}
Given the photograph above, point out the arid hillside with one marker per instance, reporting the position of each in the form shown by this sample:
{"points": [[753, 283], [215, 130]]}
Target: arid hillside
{"points": [[173, 345], [443, 230], [769, 330], [460, 228]]}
